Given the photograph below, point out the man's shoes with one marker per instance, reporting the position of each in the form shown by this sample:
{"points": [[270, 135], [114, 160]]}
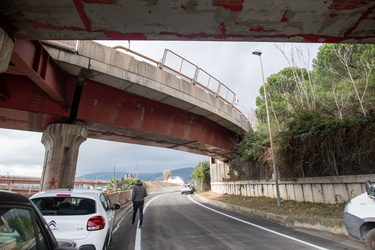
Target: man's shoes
{"points": [[140, 226]]}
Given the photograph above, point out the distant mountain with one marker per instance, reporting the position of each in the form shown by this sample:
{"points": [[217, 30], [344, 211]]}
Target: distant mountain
{"points": [[183, 173]]}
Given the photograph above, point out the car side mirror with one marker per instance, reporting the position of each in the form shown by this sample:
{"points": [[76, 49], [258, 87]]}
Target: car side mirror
{"points": [[115, 206], [370, 190]]}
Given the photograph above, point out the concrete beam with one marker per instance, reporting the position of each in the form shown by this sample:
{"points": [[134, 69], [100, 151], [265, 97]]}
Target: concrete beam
{"points": [[121, 71]]}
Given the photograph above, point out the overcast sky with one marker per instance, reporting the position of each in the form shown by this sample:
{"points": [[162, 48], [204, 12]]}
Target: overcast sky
{"points": [[232, 63]]}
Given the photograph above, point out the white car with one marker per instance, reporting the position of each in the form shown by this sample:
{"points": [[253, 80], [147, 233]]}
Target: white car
{"points": [[186, 189], [83, 215]]}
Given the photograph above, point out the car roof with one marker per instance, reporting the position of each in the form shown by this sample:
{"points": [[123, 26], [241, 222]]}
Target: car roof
{"points": [[13, 197], [73, 192]]}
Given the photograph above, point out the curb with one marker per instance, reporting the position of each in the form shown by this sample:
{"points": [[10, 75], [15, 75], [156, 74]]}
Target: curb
{"points": [[334, 226]]}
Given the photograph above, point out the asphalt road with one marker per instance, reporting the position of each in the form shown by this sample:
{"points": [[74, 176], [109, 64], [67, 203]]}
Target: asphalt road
{"points": [[175, 221]]}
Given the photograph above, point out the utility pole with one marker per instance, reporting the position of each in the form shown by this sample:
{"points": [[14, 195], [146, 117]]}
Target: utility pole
{"points": [[137, 171]]}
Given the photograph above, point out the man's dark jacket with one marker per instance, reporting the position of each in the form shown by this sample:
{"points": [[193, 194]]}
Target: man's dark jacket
{"points": [[139, 192]]}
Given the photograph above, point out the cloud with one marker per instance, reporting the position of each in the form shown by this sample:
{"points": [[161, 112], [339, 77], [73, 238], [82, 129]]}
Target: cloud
{"points": [[104, 156]]}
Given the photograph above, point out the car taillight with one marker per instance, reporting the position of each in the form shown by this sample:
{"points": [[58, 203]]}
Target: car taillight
{"points": [[95, 223]]}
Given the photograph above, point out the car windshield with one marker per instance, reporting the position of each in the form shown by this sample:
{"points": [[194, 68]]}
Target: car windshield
{"points": [[65, 205]]}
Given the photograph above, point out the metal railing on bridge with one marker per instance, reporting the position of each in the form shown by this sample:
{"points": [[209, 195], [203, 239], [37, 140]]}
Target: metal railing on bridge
{"points": [[193, 74], [200, 77]]}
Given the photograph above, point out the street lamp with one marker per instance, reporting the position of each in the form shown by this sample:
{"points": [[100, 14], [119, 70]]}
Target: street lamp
{"points": [[275, 172]]}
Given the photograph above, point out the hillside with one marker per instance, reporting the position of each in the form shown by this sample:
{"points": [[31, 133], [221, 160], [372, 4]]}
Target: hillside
{"points": [[183, 173]]}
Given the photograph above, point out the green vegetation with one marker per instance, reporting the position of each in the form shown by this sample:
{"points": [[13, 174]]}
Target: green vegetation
{"points": [[322, 119], [120, 185], [288, 208], [201, 175]]}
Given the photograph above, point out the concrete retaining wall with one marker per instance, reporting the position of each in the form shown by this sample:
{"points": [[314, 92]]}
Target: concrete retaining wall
{"points": [[120, 197], [330, 190]]}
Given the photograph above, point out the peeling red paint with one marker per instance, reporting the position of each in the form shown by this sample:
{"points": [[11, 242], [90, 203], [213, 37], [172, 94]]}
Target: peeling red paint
{"points": [[17, 18], [345, 4], [54, 27], [363, 16], [123, 36], [80, 9], [233, 5], [313, 38], [261, 29], [223, 29], [82, 14], [284, 18]]}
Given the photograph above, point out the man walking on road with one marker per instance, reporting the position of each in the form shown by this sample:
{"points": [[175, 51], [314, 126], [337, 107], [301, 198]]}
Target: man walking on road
{"points": [[138, 198]]}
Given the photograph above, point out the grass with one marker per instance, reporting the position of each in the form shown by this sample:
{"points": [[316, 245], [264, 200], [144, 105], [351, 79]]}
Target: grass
{"points": [[288, 208]]}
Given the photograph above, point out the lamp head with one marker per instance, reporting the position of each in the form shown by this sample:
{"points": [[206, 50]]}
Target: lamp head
{"points": [[257, 52]]}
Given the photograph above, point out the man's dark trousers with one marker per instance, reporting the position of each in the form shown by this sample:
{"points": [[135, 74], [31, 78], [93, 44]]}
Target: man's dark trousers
{"points": [[138, 205]]}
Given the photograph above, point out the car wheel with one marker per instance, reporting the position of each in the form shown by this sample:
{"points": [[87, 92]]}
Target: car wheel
{"points": [[370, 239]]}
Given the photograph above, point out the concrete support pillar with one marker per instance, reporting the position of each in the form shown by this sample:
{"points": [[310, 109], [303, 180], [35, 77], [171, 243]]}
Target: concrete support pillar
{"points": [[62, 143], [219, 170], [6, 50]]}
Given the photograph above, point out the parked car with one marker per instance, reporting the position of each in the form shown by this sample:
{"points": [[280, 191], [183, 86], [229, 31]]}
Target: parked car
{"points": [[359, 216], [186, 189], [22, 226], [86, 216]]}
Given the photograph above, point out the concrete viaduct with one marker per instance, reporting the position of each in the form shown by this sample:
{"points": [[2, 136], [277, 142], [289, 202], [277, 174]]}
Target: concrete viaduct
{"points": [[49, 88], [79, 89]]}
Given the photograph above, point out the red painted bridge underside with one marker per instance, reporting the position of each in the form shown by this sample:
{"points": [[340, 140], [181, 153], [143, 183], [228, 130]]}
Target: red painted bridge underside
{"points": [[108, 113]]}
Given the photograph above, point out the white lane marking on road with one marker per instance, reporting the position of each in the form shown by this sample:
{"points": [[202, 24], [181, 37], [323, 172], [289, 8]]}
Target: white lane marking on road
{"points": [[255, 225], [118, 224], [137, 245]]}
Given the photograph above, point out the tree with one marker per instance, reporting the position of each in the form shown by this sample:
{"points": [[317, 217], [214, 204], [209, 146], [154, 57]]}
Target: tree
{"points": [[321, 117], [290, 93], [167, 174], [201, 175], [347, 72], [113, 185], [126, 184]]}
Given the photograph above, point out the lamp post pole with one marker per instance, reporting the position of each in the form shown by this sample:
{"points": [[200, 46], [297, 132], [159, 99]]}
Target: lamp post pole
{"points": [[96, 181], [275, 172]]}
